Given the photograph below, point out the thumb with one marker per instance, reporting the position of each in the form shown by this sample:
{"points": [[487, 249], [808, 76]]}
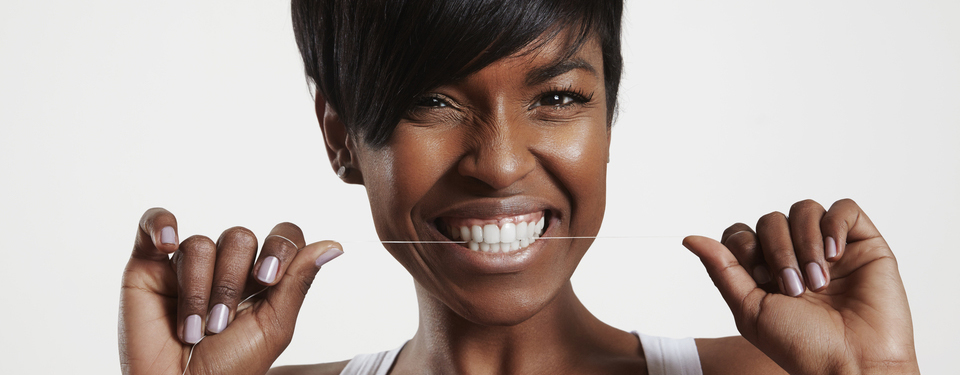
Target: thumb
{"points": [[736, 286], [286, 297]]}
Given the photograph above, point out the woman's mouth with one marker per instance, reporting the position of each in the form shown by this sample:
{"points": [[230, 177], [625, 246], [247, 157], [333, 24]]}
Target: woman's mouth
{"points": [[497, 235]]}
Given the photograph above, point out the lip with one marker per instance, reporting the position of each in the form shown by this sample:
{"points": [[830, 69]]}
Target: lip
{"points": [[478, 262]]}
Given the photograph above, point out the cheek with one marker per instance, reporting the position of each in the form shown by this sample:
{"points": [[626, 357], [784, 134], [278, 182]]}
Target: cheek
{"points": [[400, 175], [577, 157]]}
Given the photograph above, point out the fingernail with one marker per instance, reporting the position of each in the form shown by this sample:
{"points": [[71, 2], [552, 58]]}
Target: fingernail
{"points": [[268, 269], [761, 274], [168, 236], [328, 256], [218, 318], [830, 250], [791, 282], [815, 274], [191, 329]]}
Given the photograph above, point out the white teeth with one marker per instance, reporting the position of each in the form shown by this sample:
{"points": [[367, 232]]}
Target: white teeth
{"points": [[491, 234], [492, 239], [508, 233], [477, 233], [522, 230], [464, 233]]}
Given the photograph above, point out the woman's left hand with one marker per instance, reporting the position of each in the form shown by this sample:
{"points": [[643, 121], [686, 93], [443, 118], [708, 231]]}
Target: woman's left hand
{"points": [[817, 291]]}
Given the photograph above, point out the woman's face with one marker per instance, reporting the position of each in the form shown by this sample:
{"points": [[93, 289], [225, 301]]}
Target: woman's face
{"points": [[489, 157]]}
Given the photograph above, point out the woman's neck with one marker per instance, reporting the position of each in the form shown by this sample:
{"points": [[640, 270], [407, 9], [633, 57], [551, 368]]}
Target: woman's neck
{"points": [[562, 338]]}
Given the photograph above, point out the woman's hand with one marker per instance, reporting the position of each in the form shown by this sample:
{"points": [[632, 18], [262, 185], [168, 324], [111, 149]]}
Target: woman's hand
{"points": [[169, 303], [817, 291]]}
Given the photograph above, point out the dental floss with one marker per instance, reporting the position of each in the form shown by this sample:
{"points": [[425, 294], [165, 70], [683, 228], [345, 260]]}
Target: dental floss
{"points": [[538, 239], [190, 356]]}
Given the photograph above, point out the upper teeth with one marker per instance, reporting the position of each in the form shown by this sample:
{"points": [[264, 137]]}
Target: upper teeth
{"points": [[507, 237]]}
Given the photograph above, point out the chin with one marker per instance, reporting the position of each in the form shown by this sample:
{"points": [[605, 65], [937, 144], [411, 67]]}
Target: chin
{"points": [[510, 300]]}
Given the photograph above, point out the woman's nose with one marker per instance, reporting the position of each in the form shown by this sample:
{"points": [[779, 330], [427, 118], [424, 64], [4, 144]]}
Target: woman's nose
{"points": [[500, 157]]}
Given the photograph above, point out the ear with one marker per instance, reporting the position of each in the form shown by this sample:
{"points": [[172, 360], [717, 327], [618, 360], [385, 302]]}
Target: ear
{"points": [[341, 149]]}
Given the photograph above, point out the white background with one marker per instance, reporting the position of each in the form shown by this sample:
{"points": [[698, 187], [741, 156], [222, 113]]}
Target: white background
{"points": [[729, 110]]}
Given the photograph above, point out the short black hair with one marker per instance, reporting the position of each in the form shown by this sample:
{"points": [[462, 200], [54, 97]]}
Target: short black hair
{"points": [[372, 59]]}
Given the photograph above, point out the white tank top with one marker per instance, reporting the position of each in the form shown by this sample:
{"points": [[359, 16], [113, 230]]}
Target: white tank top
{"points": [[665, 356]]}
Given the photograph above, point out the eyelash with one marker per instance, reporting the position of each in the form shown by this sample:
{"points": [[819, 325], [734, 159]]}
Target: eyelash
{"points": [[579, 97], [576, 96]]}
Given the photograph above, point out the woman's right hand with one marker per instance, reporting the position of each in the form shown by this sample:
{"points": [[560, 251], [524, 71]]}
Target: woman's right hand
{"points": [[168, 303]]}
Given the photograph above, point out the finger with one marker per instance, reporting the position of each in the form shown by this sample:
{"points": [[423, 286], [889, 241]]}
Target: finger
{"points": [[743, 243], [808, 243], [287, 296], [156, 235], [845, 222], [236, 249], [734, 283], [774, 233], [279, 249], [194, 262]]}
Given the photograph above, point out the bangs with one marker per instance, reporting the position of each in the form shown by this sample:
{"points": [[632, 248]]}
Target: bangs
{"points": [[372, 59]]}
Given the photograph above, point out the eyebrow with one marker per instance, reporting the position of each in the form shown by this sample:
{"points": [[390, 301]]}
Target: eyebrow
{"points": [[541, 75]]}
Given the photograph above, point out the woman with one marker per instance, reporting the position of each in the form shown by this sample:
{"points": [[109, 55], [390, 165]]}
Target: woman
{"points": [[480, 131]]}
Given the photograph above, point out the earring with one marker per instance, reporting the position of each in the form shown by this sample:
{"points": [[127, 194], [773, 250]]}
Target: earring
{"points": [[342, 172]]}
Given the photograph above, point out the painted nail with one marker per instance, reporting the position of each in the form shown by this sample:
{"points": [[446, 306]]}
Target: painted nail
{"points": [[218, 318], [761, 274], [268, 269], [791, 282], [168, 236], [830, 250], [328, 256], [191, 329], [815, 274]]}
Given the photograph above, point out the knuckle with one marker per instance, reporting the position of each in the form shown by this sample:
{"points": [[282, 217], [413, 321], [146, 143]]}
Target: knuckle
{"points": [[770, 219], [238, 236], [198, 244], [805, 206], [194, 303], [848, 201], [735, 228], [286, 225], [279, 246], [227, 292], [742, 241]]}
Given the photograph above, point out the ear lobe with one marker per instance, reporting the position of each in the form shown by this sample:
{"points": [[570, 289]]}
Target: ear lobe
{"points": [[341, 150]]}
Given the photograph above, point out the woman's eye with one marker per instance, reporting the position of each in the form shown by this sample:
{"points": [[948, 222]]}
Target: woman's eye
{"points": [[558, 99], [431, 102]]}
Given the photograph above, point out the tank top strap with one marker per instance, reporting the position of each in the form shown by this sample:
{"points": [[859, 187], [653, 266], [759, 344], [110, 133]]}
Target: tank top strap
{"points": [[667, 356], [372, 363]]}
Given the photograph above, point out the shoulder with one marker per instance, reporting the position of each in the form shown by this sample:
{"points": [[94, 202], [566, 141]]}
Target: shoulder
{"points": [[734, 355], [333, 368]]}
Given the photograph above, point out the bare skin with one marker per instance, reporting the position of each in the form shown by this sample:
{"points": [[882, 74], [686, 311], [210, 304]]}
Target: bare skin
{"points": [[498, 145]]}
